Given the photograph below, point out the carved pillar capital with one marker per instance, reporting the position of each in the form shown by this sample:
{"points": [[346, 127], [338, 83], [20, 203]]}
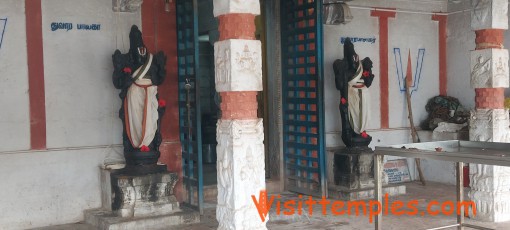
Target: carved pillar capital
{"points": [[222, 7], [489, 14], [238, 65], [126, 5], [489, 68]]}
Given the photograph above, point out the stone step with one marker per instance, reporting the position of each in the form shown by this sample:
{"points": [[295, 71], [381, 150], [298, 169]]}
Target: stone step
{"points": [[107, 220], [211, 191]]}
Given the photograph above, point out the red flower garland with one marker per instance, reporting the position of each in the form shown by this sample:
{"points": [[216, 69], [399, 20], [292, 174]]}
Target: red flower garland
{"points": [[364, 134], [161, 103], [127, 70], [144, 148], [343, 101]]}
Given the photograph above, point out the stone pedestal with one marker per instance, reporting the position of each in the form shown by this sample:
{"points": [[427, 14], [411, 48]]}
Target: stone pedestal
{"points": [[351, 175], [354, 168], [144, 195], [138, 201]]}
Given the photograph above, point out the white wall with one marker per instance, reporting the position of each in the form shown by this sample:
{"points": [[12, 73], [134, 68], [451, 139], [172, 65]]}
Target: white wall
{"points": [[55, 186], [81, 103], [408, 32], [14, 115], [460, 41], [49, 187], [362, 26]]}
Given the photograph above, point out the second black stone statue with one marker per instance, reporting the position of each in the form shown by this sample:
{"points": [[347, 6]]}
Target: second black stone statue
{"points": [[353, 78], [137, 74]]}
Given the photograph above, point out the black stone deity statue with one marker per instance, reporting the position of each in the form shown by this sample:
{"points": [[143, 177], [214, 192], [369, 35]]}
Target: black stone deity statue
{"points": [[137, 74], [353, 78]]}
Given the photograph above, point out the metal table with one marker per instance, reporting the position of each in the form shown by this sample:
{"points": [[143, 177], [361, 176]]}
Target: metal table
{"points": [[461, 152]]}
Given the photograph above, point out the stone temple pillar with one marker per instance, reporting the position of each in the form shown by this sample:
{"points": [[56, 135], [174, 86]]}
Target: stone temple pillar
{"points": [[240, 134], [490, 185]]}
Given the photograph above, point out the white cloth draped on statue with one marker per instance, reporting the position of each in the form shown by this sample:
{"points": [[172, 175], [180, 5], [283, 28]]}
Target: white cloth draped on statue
{"points": [[141, 108], [358, 102]]}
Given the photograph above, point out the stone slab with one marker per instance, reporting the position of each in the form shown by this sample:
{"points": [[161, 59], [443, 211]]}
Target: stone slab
{"points": [[444, 136], [450, 131], [105, 220], [365, 194]]}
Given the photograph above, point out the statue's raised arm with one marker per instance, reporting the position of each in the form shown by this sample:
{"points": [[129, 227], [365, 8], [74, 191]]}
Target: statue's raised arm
{"points": [[121, 65]]}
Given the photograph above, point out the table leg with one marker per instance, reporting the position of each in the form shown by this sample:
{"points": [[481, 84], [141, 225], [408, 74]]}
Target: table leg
{"points": [[378, 159], [460, 194]]}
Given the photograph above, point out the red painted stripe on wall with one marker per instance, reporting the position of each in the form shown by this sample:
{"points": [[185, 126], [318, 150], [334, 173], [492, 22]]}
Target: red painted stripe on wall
{"points": [[159, 33], [383, 16], [443, 77], [35, 61]]}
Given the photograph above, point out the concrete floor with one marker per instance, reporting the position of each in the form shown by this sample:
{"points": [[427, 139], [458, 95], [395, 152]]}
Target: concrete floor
{"points": [[433, 191]]}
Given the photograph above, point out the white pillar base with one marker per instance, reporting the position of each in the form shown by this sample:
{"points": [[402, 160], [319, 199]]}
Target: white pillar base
{"points": [[241, 174], [490, 190]]}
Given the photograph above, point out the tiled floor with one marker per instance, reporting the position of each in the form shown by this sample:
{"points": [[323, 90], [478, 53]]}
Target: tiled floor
{"points": [[433, 191]]}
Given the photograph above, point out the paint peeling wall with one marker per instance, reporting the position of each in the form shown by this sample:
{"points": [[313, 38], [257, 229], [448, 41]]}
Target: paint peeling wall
{"points": [[14, 115], [408, 32], [415, 35], [55, 186], [461, 40], [49, 187]]}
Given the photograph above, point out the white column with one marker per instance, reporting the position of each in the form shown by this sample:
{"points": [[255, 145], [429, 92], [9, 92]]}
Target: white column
{"points": [[490, 185], [240, 134]]}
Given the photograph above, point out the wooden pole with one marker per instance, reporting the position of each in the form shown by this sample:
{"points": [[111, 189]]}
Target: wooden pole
{"points": [[414, 134]]}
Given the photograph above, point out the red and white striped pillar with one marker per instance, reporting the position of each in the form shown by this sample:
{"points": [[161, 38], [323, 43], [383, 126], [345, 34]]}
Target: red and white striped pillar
{"points": [[240, 134], [490, 185]]}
